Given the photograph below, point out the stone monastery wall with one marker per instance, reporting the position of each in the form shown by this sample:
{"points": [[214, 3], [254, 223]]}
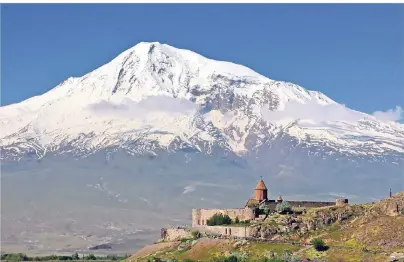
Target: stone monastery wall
{"points": [[311, 203], [200, 216], [308, 204], [172, 234], [242, 232]]}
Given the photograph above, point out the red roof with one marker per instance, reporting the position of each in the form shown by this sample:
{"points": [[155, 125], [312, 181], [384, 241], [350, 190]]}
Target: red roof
{"points": [[261, 185]]}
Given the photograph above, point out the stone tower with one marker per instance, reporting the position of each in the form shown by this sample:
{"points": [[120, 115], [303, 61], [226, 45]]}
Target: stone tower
{"points": [[279, 199], [261, 191]]}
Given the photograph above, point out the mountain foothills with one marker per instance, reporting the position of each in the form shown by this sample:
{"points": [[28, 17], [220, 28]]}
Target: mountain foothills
{"points": [[160, 130]]}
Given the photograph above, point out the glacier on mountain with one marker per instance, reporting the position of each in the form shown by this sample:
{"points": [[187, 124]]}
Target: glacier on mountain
{"points": [[155, 97]]}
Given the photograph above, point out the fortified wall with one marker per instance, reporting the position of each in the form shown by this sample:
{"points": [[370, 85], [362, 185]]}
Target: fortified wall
{"points": [[250, 211], [176, 234], [234, 231], [200, 216], [271, 204], [173, 234]]}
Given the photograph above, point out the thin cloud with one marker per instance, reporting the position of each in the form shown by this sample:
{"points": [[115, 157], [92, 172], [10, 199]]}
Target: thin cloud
{"points": [[390, 115], [189, 189], [313, 111], [192, 186], [145, 107], [342, 195]]}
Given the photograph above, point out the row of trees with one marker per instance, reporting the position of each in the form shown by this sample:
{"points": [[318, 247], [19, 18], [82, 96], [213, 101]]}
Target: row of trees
{"points": [[220, 219], [75, 256]]}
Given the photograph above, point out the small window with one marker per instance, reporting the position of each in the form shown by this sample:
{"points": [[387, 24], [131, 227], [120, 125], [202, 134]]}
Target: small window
{"points": [[198, 222], [225, 231], [229, 231]]}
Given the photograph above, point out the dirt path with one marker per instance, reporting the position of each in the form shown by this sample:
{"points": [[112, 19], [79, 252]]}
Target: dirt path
{"points": [[300, 251]]}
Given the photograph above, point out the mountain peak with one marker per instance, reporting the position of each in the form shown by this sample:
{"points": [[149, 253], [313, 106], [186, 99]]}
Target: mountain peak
{"points": [[183, 95]]}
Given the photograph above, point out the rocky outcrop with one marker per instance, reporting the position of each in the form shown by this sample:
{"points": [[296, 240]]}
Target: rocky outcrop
{"points": [[396, 256], [392, 206], [316, 219]]}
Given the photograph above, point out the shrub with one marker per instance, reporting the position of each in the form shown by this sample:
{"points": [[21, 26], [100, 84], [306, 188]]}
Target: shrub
{"points": [[219, 219], [283, 207], [48, 258], [196, 234], [236, 221], [231, 258], [15, 257], [65, 258], [238, 256], [75, 256], [298, 210], [263, 209], [114, 257], [154, 259], [273, 259], [91, 257], [318, 244]]}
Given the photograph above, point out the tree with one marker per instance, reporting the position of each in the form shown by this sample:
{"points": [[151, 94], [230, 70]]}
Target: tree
{"points": [[236, 221], [283, 207], [15, 257], [318, 244], [196, 234], [91, 257], [75, 256], [219, 219], [64, 258], [264, 209]]}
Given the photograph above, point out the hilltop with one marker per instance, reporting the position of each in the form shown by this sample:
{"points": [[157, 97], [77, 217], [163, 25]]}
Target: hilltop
{"points": [[363, 232]]}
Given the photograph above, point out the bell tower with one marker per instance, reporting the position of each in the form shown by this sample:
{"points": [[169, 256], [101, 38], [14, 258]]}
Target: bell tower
{"points": [[261, 191]]}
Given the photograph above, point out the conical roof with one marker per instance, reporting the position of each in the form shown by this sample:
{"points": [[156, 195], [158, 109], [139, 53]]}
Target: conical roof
{"points": [[261, 185]]}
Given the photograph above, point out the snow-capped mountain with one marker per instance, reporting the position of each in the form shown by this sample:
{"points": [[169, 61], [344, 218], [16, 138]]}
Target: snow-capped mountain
{"points": [[156, 97], [135, 144]]}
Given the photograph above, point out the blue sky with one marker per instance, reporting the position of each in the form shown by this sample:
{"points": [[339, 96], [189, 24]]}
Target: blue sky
{"points": [[352, 53]]}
